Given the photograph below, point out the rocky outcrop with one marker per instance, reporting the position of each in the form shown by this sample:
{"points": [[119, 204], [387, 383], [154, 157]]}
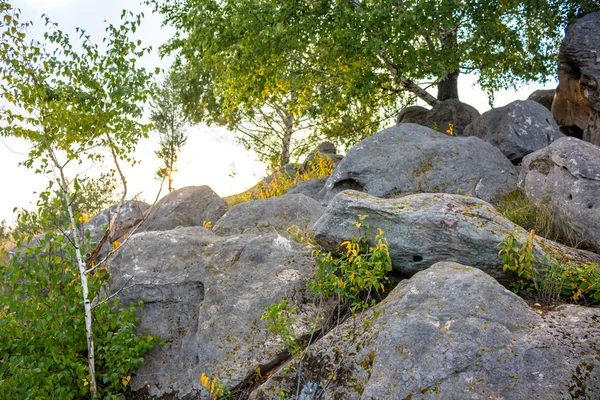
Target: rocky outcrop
{"points": [[441, 115], [544, 97], [204, 295], [188, 206], [577, 104], [517, 129], [272, 215], [409, 158], [423, 229], [451, 332], [565, 176]]}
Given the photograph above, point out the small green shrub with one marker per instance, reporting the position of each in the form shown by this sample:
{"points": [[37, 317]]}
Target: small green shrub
{"points": [[43, 348], [549, 280], [357, 275], [280, 321]]}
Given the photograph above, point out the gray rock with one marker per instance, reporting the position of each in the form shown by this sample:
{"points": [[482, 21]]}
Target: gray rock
{"points": [[272, 215], [517, 129], [441, 115], [131, 213], [423, 229], [311, 188], [452, 332], [544, 97], [410, 158], [414, 115], [205, 296], [576, 106], [566, 177], [188, 206]]}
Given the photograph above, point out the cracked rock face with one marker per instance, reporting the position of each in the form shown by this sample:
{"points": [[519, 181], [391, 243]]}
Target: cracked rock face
{"points": [[576, 106], [423, 229], [566, 177], [410, 158], [205, 296], [452, 332], [517, 129]]}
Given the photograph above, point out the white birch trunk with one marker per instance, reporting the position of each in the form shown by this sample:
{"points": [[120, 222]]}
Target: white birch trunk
{"points": [[58, 170]]}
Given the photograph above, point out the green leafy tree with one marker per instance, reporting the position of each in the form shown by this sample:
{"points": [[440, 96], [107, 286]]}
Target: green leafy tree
{"points": [[170, 122], [72, 103], [233, 69], [358, 60]]}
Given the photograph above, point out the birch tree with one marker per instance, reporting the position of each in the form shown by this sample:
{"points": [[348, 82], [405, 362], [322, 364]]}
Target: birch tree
{"points": [[73, 102]]}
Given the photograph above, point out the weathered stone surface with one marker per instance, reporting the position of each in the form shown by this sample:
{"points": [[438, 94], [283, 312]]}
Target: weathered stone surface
{"points": [[441, 115], [576, 106], [312, 188], [205, 296], [423, 229], [188, 206], [410, 158], [131, 213], [272, 215], [452, 332], [544, 96], [566, 177], [517, 129]]}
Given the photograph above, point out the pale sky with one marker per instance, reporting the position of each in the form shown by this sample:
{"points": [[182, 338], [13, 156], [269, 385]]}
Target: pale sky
{"points": [[210, 155]]}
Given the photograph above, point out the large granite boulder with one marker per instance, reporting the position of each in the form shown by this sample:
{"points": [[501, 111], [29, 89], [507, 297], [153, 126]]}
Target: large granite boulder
{"points": [[204, 295], [410, 158], [451, 332], [423, 229], [576, 106], [566, 177], [517, 129], [543, 96], [188, 206], [272, 215], [441, 115]]}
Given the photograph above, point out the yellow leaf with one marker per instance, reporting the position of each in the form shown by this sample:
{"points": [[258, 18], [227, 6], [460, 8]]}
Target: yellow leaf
{"points": [[125, 380]]}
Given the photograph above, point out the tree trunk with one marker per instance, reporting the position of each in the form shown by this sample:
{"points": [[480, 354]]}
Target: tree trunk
{"points": [[448, 87], [87, 306], [287, 138]]}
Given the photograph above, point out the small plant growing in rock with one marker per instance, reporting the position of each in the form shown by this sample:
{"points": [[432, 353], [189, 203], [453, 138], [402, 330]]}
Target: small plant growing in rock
{"points": [[356, 276], [280, 321], [549, 278], [216, 390]]}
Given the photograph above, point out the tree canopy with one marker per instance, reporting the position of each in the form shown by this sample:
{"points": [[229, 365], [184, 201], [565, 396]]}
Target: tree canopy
{"points": [[351, 63]]}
